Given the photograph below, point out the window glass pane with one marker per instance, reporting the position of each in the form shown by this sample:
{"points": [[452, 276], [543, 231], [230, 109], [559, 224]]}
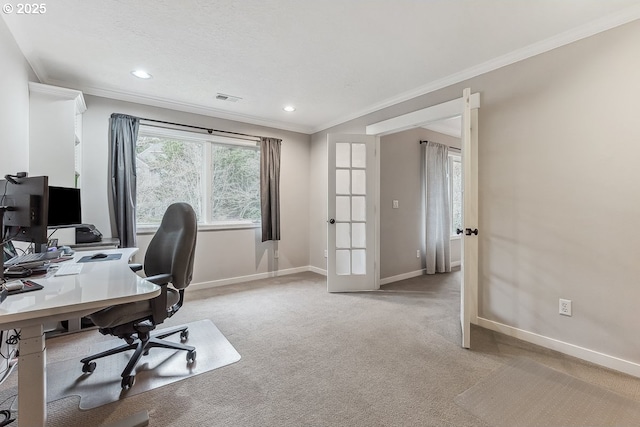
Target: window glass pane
{"points": [[343, 210], [359, 156], [343, 262], [343, 235], [343, 181], [456, 195], [168, 171], [359, 182], [235, 183], [359, 212], [343, 155], [224, 187], [359, 262], [359, 237]]}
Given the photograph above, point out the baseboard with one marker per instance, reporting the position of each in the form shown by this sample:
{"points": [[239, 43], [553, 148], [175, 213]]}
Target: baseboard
{"points": [[410, 275], [249, 278], [402, 276], [592, 356], [317, 270]]}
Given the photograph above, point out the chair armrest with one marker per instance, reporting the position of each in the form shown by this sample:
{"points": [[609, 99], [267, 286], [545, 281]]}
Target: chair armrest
{"points": [[135, 267], [159, 279]]}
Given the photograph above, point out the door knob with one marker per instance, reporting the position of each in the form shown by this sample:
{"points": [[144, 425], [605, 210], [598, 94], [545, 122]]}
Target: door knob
{"points": [[332, 221], [469, 231], [459, 231]]}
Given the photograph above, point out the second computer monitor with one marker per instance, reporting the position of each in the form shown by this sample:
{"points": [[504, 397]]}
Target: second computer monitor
{"points": [[64, 207]]}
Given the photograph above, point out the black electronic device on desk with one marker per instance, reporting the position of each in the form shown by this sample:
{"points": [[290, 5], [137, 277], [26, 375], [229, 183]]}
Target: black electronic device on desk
{"points": [[87, 233], [24, 209]]}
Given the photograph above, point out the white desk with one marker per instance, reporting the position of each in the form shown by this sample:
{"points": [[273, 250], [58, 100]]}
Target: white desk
{"points": [[99, 285]]}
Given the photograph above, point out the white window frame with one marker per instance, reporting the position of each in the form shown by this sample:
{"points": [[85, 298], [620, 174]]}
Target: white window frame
{"points": [[209, 141], [453, 157]]}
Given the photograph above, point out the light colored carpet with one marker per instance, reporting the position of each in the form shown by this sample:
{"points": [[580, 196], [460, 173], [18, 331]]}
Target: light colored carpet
{"points": [[309, 358], [524, 393]]}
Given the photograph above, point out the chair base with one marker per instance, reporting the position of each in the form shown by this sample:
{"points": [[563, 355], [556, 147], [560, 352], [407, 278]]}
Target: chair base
{"points": [[144, 342]]}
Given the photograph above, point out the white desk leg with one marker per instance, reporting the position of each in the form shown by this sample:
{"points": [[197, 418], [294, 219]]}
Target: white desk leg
{"points": [[32, 377]]}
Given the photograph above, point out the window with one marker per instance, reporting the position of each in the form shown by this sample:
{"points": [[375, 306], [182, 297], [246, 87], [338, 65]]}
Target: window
{"points": [[455, 192], [218, 176]]}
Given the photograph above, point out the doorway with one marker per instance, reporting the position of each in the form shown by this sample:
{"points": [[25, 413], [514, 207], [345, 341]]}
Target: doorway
{"points": [[466, 107]]}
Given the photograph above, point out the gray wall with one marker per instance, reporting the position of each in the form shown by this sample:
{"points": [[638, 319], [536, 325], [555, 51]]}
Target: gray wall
{"points": [[402, 230], [558, 170], [221, 254], [15, 74]]}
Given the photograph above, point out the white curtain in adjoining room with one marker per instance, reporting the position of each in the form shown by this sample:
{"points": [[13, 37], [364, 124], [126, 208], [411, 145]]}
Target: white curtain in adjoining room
{"points": [[437, 208]]}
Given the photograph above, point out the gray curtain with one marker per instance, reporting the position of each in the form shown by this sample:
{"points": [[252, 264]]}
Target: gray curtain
{"points": [[437, 209], [270, 188], [124, 133]]}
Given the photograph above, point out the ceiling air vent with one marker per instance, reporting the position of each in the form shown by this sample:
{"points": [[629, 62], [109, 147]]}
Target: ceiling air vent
{"points": [[229, 98]]}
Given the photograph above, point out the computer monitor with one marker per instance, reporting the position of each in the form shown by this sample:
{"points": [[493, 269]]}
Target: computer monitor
{"points": [[26, 203], [64, 207]]}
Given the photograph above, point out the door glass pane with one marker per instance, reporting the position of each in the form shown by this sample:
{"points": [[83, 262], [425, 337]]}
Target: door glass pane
{"points": [[343, 184], [359, 182], [359, 236], [343, 210], [359, 212], [343, 155], [343, 262], [343, 235], [359, 156], [359, 264]]}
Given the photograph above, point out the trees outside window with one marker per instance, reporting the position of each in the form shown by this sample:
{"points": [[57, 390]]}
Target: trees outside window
{"points": [[218, 177]]}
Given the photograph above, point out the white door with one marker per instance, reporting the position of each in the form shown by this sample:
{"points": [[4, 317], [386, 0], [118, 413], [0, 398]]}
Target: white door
{"points": [[351, 222], [469, 281]]}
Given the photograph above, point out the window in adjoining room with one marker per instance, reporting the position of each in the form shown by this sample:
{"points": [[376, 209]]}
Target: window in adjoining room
{"points": [[218, 176], [455, 192]]}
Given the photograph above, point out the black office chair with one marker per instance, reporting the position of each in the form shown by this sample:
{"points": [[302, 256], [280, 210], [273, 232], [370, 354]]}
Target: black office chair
{"points": [[168, 260]]}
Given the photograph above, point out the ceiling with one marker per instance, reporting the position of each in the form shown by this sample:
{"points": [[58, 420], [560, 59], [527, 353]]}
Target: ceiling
{"points": [[333, 59]]}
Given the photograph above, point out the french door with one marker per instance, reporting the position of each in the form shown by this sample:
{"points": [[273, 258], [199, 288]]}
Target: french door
{"points": [[351, 228]]}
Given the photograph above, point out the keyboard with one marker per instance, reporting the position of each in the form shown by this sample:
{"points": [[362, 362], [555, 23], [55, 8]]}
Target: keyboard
{"points": [[31, 258], [68, 269]]}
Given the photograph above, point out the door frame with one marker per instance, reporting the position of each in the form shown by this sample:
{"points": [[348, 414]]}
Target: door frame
{"points": [[435, 113]]}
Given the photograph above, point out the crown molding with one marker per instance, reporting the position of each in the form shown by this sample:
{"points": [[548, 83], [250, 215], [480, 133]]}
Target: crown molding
{"points": [[188, 108], [60, 92], [600, 25]]}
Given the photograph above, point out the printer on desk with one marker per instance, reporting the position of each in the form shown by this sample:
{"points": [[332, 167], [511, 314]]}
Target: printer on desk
{"points": [[87, 233]]}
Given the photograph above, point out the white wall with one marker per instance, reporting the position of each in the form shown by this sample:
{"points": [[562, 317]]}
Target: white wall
{"points": [[15, 74], [558, 151], [221, 254], [52, 138]]}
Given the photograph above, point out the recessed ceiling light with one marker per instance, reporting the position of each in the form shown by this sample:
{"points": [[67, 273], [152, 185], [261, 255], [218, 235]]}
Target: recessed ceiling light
{"points": [[289, 108], [141, 74]]}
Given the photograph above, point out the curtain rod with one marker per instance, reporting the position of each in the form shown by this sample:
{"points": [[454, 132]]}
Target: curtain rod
{"points": [[448, 146], [209, 130]]}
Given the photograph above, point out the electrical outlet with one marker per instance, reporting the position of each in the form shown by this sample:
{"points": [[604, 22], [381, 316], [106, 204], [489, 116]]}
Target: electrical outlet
{"points": [[395, 204], [418, 253], [565, 307], [276, 253], [326, 253]]}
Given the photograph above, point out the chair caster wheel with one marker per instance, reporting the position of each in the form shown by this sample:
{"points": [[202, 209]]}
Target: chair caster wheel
{"points": [[191, 356], [89, 367], [184, 335], [128, 381]]}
